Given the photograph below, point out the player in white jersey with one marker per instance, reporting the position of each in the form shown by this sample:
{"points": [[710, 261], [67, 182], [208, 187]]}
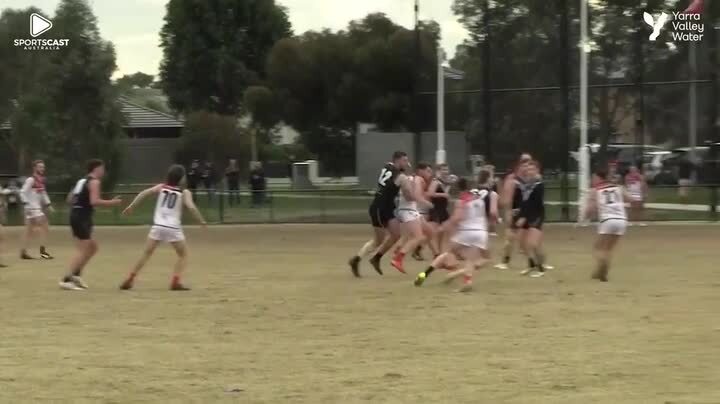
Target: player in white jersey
{"points": [[167, 224], [411, 196], [637, 190], [607, 201], [36, 202], [469, 225]]}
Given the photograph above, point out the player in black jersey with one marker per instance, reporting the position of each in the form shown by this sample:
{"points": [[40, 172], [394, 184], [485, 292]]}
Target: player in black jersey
{"points": [[510, 200], [84, 197], [530, 219], [439, 194], [382, 214]]}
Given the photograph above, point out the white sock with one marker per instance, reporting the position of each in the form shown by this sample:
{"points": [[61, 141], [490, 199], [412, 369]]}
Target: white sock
{"points": [[366, 249]]}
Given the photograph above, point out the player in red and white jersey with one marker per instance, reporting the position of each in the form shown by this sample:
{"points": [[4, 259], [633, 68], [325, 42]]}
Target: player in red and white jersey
{"points": [[469, 227], [637, 190], [36, 203], [410, 198], [167, 224], [607, 201]]}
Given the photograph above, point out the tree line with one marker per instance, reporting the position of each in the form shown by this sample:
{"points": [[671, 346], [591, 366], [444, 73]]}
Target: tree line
{"points": [[235, 70]]}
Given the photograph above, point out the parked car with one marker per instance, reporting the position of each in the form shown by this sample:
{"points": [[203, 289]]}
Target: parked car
{"points": [[653, 164], [679, 158]]}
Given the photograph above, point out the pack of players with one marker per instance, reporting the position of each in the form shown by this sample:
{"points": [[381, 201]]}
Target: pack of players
{"points": [[415, 208]]}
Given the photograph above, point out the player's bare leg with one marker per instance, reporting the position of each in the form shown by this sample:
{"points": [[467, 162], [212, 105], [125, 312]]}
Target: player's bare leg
{"points": [[43, 228], [85, 250], [150, 247], [414, 232], [393, 235], [473, 258], [367, 248], [536, 257], [26, 237], [637, 212], [446, 260], [603, 250], [429, 233], [180, 265], [510, 239]]}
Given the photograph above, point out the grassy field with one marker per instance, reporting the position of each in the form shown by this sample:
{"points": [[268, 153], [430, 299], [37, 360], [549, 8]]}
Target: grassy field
{"points": [[275, 317]]}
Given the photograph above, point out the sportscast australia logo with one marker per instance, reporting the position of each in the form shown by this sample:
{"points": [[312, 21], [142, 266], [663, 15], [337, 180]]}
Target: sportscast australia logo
{"points": [[38, 26], [686, 27]]}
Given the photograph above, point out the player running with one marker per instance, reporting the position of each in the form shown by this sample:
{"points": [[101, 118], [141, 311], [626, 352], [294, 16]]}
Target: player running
{"points": [[167, 224], [637, 190], [530, 219], [382, 214], [510, 201], [36, 202], [84, 197], [439, 194], [607, 201], [410, 199], [469, 226]]}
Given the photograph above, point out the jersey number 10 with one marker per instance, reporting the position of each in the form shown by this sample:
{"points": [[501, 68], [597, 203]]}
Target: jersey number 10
{"points": [[169, 200]]}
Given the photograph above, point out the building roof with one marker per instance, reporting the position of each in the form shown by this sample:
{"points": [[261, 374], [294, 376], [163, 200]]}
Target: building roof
{"points": [[142, 117], [137, 116]]}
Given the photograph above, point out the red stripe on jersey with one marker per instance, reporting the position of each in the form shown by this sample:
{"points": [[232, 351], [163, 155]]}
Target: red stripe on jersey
{"points": [[604, 185], [38, 183], [172, 188]]}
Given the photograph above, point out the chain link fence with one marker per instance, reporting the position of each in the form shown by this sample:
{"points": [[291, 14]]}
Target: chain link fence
{"points": [[347, 206]]}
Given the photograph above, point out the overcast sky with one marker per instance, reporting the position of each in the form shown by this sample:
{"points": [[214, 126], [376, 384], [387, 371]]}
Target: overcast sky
{"points": [[134, 25]]}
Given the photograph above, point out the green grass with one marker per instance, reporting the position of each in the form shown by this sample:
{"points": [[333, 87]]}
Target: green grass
{"points": [[275, 317]]}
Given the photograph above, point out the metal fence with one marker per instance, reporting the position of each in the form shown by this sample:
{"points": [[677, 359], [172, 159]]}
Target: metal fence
{"points": [[351, 206]]}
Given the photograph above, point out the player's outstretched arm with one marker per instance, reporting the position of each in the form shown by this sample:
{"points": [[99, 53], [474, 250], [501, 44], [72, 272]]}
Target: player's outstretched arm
{"points": [[96, 200], [141, 197], [494, 211], [190, 204]]}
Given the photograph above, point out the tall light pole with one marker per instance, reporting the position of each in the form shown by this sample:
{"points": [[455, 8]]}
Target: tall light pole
{"points": [[441, 155], [415, 119], [584, 174]]}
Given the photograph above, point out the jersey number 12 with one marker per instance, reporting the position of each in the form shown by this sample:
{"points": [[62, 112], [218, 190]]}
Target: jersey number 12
{"points": [[169, 200], [384, 176]]}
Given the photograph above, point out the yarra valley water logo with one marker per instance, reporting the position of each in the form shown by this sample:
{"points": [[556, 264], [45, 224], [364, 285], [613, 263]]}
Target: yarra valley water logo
{"points": [[686, 27], [38, 26]]}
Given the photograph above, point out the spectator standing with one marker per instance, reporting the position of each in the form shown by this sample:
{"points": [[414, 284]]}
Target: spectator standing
{"points": [[232, 176], [258, 185], [685, 174], [208, 178], [193, 176]]}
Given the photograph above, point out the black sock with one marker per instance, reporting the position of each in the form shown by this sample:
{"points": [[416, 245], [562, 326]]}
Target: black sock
{"points": [[430, 270], [77, 272], [418, 249], [531, 263], [506, 259], [377, 257], [540, 260], [42, 249]]}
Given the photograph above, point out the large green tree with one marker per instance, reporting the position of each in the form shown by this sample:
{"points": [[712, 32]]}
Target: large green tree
{"points": [[65, 109], [328, 82], [214, 49]]}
